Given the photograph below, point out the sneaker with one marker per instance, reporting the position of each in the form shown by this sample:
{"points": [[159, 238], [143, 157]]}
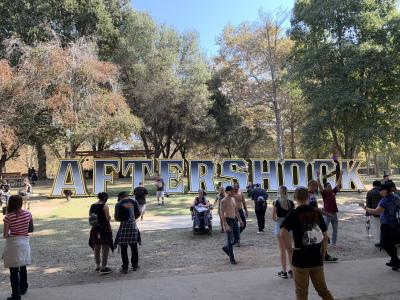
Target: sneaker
{"points": [[206, 227], [135, 268], [123, 271], [233, 262], [290, 273], [105, 271], [196, 227], [237, 244], [97, 269], [283, 275], [259, 232], [329, 258]]}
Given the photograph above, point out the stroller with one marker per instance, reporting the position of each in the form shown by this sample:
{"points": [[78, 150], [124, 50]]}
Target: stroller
{"points": [[202, 219]]}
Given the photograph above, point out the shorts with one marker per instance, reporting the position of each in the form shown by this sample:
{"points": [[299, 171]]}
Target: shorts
{"points": [[160, 193], [277, 226]]}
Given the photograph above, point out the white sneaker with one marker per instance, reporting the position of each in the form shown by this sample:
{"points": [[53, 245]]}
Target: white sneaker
{"points": [[260, 232]]}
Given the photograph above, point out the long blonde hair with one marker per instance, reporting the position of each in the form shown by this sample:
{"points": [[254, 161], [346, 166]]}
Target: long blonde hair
{"points": [[283, 197]]}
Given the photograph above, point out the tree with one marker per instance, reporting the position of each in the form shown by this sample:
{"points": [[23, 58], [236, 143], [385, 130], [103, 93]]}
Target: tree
{"points": [[164, 76], [346, 62], [76, 98], [256, 57]]}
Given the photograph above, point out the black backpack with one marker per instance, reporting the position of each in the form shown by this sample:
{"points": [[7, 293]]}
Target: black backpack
{"points": [[122, 214]]}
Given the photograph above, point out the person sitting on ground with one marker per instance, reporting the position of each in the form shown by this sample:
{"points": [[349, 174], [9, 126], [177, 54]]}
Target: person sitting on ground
{"points": [[330, 206], [201, 201], [387, 209], [100, 239], [17, 251], [4, 191], [218, 198], [282, 206], [372, 200], [312, 202], [140, 193], [310, 242], [260, 197], [128, 232]]}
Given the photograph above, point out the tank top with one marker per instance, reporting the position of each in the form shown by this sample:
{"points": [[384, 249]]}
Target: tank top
{"points": [[98, 209]]}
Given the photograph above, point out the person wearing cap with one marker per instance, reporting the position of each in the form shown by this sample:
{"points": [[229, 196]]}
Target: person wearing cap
{"points": [[387, 209], [372, 200], [330, 206], [229, 215], [310, 243]]}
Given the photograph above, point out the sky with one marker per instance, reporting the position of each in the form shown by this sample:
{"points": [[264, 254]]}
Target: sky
{"points": [[208, 17]]}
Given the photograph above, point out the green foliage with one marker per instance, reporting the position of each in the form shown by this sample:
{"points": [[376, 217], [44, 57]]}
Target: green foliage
{"points": [[346, 60]]}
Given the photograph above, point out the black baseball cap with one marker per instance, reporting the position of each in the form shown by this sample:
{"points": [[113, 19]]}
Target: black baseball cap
{"points": [[228, 188]]}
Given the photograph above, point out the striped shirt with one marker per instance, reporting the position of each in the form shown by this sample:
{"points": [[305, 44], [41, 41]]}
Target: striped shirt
{"points": [[18, 223]]}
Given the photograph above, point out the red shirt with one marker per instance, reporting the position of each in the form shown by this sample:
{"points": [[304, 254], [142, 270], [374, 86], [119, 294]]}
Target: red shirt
{"points": [[329, 199], [18, 223]]}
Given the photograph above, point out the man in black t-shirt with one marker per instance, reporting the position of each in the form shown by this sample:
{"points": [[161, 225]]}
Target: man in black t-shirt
{"points": [[140, 193], [310, 241]]}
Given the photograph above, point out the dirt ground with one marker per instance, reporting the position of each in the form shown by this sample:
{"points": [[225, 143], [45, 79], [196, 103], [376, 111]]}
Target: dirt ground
{"points": [[61, 255]]}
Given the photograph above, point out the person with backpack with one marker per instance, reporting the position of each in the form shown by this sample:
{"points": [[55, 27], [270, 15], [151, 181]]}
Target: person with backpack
{"points": [[127, 212], [100, 239], [17, 251], [140, 193], [372, 200], [310, 243], [260, 197], [389, 211], [282, 206]]}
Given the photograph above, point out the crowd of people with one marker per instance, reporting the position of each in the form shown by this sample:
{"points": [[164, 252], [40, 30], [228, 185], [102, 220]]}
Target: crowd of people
{"points": [[300, 229]]}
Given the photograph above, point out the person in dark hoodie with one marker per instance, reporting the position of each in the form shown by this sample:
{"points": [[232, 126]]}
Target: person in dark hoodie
{"points": [[372, 201]]}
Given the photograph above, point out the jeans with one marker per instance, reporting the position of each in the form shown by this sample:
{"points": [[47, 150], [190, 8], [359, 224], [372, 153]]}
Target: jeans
{"points": [[134, 257], [19, 281], [260, 210], [104, 249], [389, 240], [243, 217], [236, 232], [230, 239], [197, 219], [301, 281], [334, 220]]}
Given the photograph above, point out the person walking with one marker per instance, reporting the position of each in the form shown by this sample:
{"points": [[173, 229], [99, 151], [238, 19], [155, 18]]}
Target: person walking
{"points": [[140, 193], [160, 186], [100, 239], [17, 251], [330, 205], [372, 200], [282, 206], [229, 216], [242, 209], [387, 209], [260, 197], [4, 191], [218, 198], [310, 243], [127, 212]]}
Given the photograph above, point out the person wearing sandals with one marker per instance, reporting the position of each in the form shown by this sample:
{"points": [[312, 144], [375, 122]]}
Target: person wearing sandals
{"points": [[282, 206], [101, 240], [128, 232], [218, 198], [17, 252]]}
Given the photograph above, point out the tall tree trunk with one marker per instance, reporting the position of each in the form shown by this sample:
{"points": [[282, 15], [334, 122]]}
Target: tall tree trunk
{"points": [[376, 165], [279, 130], [292, 140], [367, 156], [2, 163], [42, 161], [389, 163]]}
